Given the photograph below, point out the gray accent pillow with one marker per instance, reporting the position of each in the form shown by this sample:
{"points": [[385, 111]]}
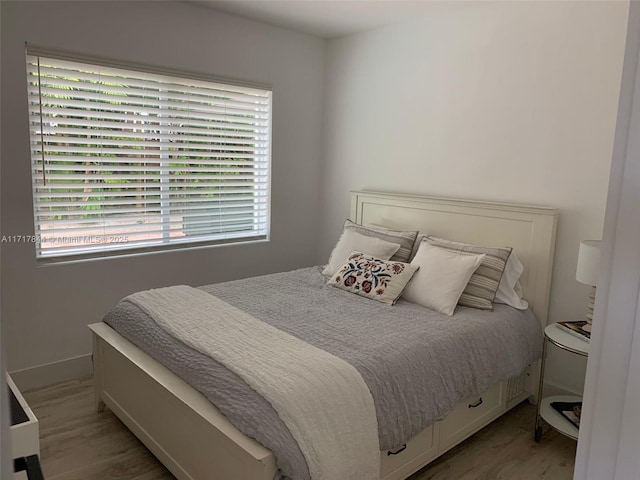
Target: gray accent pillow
{"points": [[404, 239], [351, 240], [483, 284]]}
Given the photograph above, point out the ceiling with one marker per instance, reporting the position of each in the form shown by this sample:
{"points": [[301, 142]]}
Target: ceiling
{"points": [[322, 18]]}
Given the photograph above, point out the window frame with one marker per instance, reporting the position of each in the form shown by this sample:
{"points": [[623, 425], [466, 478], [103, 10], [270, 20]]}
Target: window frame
{"points": [[119, 251]]}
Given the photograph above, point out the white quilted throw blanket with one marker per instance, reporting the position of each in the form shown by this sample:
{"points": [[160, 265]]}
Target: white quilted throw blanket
{"points": [[322, 399]]}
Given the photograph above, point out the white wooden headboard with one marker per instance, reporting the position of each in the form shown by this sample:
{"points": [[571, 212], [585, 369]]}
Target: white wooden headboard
{"points": [[530, 230]]}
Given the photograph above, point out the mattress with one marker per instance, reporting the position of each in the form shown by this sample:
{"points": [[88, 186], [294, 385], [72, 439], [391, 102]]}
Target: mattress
{"points": [[417, 363]]}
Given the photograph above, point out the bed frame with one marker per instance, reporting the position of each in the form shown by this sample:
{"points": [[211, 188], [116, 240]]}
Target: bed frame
{"points": [[196, 442]]}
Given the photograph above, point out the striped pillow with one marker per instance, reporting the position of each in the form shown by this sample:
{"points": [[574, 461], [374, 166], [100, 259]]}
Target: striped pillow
{"points": [[405, 239], [483, 285]]}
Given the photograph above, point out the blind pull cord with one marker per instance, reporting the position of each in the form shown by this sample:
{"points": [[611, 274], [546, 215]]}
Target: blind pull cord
{"points": [[44, 164]]}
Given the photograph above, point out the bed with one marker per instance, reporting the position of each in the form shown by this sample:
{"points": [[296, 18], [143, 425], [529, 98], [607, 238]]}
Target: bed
{"points": [[196, 441]]}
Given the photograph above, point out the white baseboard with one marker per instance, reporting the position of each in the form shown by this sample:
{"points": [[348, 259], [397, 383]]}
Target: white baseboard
{"points": [[50, 373]]}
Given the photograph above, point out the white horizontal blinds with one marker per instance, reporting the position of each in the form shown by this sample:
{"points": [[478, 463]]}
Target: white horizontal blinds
{"points": [[127, 159]]}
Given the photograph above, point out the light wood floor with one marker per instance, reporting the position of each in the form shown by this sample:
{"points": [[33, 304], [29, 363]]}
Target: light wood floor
{"points": [[80, 444]]}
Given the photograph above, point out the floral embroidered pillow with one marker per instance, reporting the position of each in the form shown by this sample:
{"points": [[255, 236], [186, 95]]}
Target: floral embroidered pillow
{"points": [[371, 277]]}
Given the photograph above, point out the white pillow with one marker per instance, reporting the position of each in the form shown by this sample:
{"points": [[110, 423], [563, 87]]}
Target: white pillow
{"points": [[351, 240], [441, 278], [509, 291]]}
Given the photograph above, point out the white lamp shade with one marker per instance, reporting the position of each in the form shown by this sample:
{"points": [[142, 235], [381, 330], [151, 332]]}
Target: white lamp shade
{"points": [[588, 262]]}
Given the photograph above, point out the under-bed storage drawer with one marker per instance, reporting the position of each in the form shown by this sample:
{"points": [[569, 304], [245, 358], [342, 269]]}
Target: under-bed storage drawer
{"points": [[402, 462], [471, 415], [24, 434]]}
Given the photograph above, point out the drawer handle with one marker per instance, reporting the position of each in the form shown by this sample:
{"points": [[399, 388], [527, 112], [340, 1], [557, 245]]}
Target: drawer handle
{"points": [[477, 404], [401, 449]]}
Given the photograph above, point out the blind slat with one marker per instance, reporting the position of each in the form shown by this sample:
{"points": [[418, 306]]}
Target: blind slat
{"points": [[150, 208], [53, 124], [58, 160], [230, 201], [134, 219], [155, 99], [148, 117], [177, 152], [142, 79], [153, 168], [138, 135], [173, 144], [182, 193], [133, 230]]}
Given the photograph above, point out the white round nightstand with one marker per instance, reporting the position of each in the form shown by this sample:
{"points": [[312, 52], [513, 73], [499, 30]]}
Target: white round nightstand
{"points": [[545, 412]]}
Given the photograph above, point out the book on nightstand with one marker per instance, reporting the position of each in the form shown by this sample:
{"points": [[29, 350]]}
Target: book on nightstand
{"points": [[576, 329], [569, 410]]}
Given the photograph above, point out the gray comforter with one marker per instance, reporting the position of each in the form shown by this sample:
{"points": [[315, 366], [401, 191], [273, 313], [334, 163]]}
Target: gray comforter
{"points": [[417, 363]]}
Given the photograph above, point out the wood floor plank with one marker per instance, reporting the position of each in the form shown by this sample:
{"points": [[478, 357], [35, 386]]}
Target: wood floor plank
{"points": [[135, 464], [505, 450], [79, 444]]}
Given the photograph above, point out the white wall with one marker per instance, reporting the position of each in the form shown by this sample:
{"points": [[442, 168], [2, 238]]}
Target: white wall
{"points": [[505, 101], [45, 309]]}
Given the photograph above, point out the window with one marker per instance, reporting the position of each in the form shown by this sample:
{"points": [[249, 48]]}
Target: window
{"points": [[129, 159]]}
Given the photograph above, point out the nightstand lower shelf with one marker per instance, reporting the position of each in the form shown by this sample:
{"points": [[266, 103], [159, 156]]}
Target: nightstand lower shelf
{"points": [[554, 419], [554, 335]]}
